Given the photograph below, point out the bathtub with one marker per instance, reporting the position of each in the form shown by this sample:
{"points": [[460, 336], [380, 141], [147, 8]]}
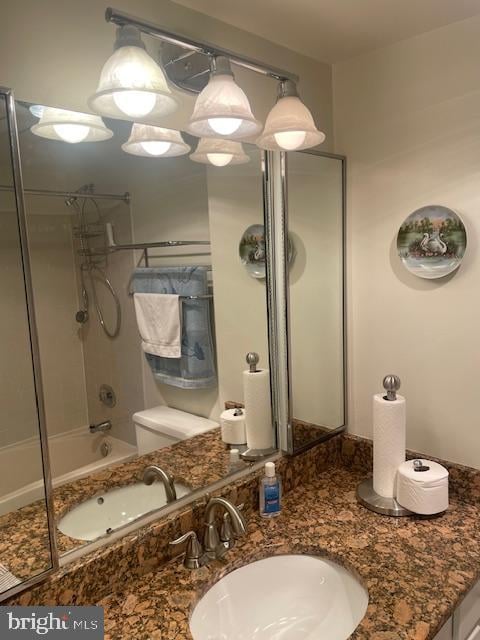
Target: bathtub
{"points": [[73, 455]]}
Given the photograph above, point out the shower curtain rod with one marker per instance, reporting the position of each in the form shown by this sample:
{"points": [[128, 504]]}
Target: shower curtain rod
{"points": [[124, 197]]}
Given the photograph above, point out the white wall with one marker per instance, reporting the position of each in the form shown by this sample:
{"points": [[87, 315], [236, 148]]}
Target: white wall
{"points": [[51, 52], [408, 118]]}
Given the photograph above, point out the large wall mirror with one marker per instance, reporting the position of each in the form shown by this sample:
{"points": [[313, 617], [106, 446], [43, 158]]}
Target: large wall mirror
{"points": [[25, 545], [146, 311], [149, 277]]}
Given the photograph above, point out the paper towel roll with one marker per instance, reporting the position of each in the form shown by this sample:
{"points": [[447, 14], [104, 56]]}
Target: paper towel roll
{"points": [[389, 425], [233, 427], [424, 492], [258, 410]]}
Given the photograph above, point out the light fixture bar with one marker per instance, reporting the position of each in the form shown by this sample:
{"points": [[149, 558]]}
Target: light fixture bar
{"points": [[150, 28]]}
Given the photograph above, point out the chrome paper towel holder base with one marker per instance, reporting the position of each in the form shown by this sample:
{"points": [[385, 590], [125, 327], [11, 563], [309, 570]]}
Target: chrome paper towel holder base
{"points": [[369, 498], [366, 494]]}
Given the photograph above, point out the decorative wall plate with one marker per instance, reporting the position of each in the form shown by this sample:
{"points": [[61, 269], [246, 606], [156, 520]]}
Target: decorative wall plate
{"points": [[252, 250], [431, 242]]}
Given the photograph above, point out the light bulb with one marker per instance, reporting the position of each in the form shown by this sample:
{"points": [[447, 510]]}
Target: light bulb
{"points": [[156, 147], [135, 104], [290, 140], [71, 132], [220, 159], [225, 126]]}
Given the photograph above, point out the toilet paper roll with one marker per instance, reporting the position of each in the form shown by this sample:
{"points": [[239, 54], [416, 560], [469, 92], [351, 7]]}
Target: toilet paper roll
{"points": [[258, 409], [389, 426], [233, 427], [423, 492]]}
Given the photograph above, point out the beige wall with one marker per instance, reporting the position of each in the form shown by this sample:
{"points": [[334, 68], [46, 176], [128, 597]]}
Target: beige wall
{"points": [[52, 52], [114, 362], [407, 117], [235, 203], [170, 202], [316, 328], [56, 302], [17, 393]]}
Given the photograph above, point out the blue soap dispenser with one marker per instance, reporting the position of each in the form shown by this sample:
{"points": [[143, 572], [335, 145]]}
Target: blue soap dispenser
{"points": [[270, 492]]}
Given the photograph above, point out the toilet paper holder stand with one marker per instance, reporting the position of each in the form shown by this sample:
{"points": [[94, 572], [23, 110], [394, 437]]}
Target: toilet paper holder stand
{"points": [[366, 495]]}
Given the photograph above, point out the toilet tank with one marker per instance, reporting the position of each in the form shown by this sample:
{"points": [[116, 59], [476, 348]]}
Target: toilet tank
{"points": [[163, 426]]}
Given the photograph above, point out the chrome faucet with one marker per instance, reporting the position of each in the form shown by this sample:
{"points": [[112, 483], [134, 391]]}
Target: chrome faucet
{"points": [[101, 427], [152, 472], [214, 548]]}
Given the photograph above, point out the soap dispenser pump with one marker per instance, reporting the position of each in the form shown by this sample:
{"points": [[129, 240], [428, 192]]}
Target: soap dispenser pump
{"points": [[270, 492]]}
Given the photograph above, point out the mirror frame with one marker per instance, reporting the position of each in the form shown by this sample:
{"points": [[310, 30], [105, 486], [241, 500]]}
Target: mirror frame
{"points": [[8, 95], [276, 216]]}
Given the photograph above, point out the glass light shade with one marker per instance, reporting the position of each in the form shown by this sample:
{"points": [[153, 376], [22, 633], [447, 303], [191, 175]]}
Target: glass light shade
{"points": [[70, 126], [155, 142], [219, 152], [223, 109], [290, 126], [132, 85]]}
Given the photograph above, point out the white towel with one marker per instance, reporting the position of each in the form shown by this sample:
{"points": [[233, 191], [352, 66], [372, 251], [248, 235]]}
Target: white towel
{"points": [[7, 579], [159, 321]]}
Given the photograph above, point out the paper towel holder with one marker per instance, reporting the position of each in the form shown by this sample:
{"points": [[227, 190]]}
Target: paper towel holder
{"points": [[366, 495], [254, 455]]}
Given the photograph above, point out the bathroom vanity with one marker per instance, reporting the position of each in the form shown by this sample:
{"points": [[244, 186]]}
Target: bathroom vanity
{"points": [[147, 592]]}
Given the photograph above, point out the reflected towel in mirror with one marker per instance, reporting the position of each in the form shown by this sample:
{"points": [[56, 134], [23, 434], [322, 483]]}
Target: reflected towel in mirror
{"points": [[195, 369], [159, 323]]}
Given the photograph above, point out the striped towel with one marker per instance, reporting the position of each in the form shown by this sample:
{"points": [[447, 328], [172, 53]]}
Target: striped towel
{"points": [[7, 579]]}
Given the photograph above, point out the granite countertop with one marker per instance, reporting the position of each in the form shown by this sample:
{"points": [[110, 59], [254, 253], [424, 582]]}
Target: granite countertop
{"points": [[416, 570], [24, 544]]}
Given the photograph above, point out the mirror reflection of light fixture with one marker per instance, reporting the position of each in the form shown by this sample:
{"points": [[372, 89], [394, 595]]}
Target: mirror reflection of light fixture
{"points": [[154, 142], [69, 126], [222, 108], [219, 152], [131, 83], [289, 125]]}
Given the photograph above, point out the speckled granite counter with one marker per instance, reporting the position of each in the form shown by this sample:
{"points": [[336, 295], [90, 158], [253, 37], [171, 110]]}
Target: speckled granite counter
{"points": [[24, 545], [416, 570]]}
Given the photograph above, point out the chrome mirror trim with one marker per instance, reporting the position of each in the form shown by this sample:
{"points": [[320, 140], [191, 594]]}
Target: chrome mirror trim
{"points": [[22, 227]]}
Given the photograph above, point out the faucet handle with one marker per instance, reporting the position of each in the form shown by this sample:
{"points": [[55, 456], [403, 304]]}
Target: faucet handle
{"points": [[194, 556], [226, 534]]}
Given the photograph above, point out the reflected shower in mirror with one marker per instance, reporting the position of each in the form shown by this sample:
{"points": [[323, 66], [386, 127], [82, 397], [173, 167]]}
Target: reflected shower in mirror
{"points": [[316, 291], [24, 552], [145, 313]]}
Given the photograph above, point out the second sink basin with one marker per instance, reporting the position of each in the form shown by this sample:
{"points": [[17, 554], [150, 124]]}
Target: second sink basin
{"points": [[113, 509], [290, 597]]}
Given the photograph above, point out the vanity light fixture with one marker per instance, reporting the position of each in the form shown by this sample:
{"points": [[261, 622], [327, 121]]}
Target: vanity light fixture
{"points": [[219, 152], [222, 108], [154, 142], [289, 125], [131, 83], [69, 126]]}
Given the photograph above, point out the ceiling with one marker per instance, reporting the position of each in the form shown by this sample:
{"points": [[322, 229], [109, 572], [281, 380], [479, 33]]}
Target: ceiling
{"points": [[334, 30]]}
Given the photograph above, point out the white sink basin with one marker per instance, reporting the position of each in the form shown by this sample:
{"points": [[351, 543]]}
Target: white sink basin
{"points": [[113, 509], [291, 597]]}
